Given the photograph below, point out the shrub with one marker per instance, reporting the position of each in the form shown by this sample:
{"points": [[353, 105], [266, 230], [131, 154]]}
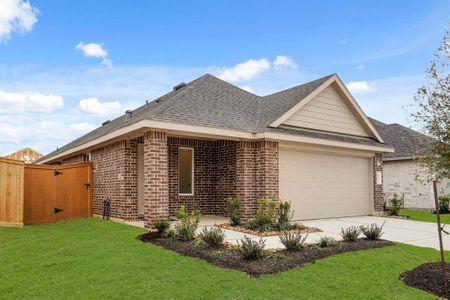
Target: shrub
{"points": [[188, 223], [284, 214], [395, 205], [169, 234], [235, 210], [326, 241], [251, 249], [444, 203], [251, 224], [266, 211], [213, 237], [293, 242], [372, 231], [266, 227], [350, 234], [161, 225]]}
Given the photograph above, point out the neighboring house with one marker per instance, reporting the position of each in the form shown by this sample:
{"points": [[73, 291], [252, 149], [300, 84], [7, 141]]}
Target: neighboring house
{"points": [[208, 140], [27, 154], [402, 175]]}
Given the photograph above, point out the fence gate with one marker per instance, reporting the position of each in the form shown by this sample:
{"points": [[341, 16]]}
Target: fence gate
{"points": [[53, 193]]}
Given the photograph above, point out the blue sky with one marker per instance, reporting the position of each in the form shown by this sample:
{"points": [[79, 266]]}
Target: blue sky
{"points": [[66, 66]]}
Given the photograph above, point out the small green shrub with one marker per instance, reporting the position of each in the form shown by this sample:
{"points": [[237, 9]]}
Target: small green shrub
{"points": [[251, 224], [214, 236], [350, 234], [293, 242], [235, 210], [188, 223], [372, 231], [251, 249], [395, 205], [169, 234], [285, 214], [326, 241], [266, 227], [444, 203], [266, 211], [161, 225]]}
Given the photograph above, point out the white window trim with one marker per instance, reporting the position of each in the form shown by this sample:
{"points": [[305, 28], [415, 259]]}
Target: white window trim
{"points": [[193, 178]]}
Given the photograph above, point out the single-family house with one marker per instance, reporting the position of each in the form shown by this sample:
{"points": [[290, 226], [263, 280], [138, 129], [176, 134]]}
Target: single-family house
{"points": [[402, 174], [208, 140]]}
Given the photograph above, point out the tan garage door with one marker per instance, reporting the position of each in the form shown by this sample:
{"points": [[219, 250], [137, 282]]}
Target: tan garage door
{"points": [[324, 185]]}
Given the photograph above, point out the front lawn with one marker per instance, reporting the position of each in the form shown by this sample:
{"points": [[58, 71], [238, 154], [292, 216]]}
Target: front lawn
{"points": [[425, 216], [92, 259]]}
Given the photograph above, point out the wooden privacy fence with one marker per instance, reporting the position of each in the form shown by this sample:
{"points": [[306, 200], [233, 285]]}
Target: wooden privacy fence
{"points": [[45, 194]]}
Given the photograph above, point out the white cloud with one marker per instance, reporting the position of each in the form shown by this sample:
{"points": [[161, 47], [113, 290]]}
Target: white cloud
{"points": [[246, 70], [343, 41], [284, 62], [247, 88], [94, 50], [29, 102], [361, 87], [92, 106], [82, 127], [16, 15], [360, 67]]}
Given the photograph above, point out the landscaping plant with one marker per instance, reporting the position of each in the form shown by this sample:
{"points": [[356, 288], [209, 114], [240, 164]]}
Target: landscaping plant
{"points": [[213, 237], [293, 242], [372, 231], [235, 210], [251, 249], [251, 224], [161, 225], [350, 234], [266, 211], [443, 203], [395, 205], [285, 215], [326, 241], [188, 223]]}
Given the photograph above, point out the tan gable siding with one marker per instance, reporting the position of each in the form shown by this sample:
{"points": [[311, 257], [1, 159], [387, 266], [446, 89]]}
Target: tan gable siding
{"points": [[327, 111]]}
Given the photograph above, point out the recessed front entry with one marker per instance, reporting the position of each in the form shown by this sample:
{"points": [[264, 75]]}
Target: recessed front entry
{"points": [[320, 185]]}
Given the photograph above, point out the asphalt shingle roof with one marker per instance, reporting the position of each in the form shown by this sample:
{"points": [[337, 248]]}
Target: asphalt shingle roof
{"points": [[212, 102], [405, 141]]}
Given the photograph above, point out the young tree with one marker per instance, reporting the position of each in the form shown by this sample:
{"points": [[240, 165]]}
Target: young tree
{"points": [[433, 115]]}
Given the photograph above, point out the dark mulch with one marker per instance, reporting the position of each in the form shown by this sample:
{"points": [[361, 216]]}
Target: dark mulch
{"points": [[273, 262], [427, 277]]}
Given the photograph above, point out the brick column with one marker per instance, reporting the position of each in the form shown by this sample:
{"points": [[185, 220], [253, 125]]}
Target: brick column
{"points": [[256, 173], [378, 195], [245, 177], [156, 178]]}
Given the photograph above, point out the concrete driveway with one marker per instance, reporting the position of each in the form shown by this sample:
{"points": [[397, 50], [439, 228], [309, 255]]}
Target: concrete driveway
{"points": [[415, 233]]}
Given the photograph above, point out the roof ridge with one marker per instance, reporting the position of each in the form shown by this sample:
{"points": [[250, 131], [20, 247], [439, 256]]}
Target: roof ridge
{"points": [[230, 84], [297, 86]]}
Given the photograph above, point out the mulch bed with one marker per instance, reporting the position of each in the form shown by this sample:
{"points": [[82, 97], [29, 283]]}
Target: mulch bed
{"points": [[427, 277], [301, 230], [273, 262]]}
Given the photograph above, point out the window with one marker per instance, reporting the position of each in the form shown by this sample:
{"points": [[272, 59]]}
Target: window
{"points": [[86, 157], [186, 171]]}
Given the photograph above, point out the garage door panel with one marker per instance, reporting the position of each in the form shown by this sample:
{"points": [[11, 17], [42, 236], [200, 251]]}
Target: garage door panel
{"points": [[323, 185]]}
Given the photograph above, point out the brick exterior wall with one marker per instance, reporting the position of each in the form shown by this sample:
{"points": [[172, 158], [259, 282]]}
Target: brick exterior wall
{"points": [[257, 173], [73, 160], [115, 178], [156, 177], [378, 195]]}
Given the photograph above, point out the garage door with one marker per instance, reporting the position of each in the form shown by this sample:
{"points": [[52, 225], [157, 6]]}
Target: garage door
{"points": [[324, 185]]}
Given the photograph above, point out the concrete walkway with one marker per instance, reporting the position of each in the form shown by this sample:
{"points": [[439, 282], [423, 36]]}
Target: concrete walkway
{"points": [[415, 233]]}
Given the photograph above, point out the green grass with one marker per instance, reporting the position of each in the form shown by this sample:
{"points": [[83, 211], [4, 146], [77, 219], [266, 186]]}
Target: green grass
{"points": [[425, 216], [95, 259]]}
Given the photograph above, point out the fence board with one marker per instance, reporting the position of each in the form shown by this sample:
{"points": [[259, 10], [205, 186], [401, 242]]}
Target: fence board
{"points": [[11, 192]]}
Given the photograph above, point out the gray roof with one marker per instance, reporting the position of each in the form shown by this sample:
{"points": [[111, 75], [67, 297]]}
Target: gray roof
{"points": [[406, 142], [212, 102]]}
